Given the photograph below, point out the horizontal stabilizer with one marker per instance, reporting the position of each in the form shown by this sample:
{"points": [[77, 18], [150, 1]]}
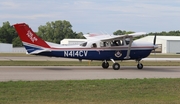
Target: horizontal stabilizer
{"points": [[39, 51]]}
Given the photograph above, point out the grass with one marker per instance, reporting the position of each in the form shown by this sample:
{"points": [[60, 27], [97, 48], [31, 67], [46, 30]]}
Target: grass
{"points": [[15, 55], [114, 91], [152, 55], [85, 63]]}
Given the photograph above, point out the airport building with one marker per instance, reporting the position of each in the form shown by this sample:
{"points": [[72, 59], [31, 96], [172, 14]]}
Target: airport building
{"points": [[5, 48], [166, 44], [72, 41], [8, 48]]}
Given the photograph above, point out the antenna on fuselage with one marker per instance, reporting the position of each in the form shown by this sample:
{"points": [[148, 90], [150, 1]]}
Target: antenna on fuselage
{"points": [[107, 33], [102, 33]]}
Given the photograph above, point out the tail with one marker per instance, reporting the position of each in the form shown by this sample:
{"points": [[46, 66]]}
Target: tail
{"points": [[30, 40]]}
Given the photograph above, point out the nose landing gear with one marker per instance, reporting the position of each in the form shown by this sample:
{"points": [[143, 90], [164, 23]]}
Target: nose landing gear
{"points": [[139, 65]]}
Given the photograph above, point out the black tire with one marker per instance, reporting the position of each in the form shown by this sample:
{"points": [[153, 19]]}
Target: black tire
{"points": [[139, 66], [116, 66], [105, 65]]}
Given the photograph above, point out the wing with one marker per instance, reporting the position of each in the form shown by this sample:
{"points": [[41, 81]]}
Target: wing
{"points": [[96, 36], [114, 37], [105, 37]]}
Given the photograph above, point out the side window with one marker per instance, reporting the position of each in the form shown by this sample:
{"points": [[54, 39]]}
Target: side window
{"points": [[94, 45], [127, 40], [117, 43], [103, 44], [83, 44]]}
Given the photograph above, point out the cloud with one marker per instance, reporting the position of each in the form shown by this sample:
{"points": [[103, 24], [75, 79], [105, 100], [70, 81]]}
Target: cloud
{"points": [[108, 14], [8, 4], [82, 8], [35, 16]]}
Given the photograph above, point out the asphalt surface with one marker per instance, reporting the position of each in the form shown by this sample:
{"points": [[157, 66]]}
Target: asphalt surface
{"points": [[32, 73]]}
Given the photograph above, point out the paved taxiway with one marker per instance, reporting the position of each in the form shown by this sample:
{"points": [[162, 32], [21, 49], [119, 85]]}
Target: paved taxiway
{"points": [[31, 73]]}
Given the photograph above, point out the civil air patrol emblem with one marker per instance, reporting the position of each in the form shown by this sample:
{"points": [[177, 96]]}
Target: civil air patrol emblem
{"points": [[118, 54]]}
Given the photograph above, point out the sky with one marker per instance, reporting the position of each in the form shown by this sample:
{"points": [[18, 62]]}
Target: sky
{"points": [[95, 16]]}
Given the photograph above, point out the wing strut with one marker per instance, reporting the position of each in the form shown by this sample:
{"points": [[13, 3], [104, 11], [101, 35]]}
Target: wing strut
{"points": [[129, 49]]}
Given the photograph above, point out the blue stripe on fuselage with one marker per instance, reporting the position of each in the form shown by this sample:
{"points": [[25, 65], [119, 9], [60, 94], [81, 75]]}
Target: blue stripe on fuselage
{"points": [[98, 55]]}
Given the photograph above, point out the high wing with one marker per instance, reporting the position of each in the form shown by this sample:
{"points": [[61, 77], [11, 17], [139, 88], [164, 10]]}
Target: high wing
{"points": [[111, 38], [105, 37], [114, 37]]}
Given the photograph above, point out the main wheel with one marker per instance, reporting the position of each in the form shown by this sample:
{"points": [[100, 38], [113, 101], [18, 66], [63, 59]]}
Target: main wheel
{"points": [[116, 66], [105, 65], [139, 66]]}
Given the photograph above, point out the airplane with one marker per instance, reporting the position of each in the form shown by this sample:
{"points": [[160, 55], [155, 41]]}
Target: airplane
{"points": [[101, 47]]}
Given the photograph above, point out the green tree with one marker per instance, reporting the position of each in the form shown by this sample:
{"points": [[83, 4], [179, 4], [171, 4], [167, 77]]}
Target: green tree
{"points": [[79, 35], [17, 42], [7, 33], [56, 31], [120, 32]]}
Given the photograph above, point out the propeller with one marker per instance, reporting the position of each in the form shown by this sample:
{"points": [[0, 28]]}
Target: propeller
{"points": [[154, 43], [155, 46]]}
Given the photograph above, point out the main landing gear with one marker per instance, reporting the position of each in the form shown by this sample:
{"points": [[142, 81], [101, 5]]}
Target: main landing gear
{"points": [[116, 66]]}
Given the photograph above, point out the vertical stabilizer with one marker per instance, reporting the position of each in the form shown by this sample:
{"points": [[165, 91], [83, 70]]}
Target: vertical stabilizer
{"points": [[29, 39]]}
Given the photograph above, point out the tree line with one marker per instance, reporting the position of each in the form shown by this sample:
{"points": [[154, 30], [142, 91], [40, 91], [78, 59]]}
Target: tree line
{"points": [[57, 30]]}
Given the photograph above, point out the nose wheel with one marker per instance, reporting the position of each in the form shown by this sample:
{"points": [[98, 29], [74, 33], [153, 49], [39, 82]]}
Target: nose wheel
{"points": [[139, 65]]}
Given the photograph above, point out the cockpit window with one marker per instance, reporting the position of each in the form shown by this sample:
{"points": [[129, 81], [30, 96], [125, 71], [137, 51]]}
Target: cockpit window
{"points": [[83, 44]]}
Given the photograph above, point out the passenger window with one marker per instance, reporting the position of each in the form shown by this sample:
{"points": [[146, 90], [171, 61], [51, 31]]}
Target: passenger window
{"points": [[94, 45], [83, 44]]}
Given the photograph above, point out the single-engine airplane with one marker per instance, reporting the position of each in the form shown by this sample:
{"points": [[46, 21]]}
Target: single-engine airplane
{"points": [[97, 47]]}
